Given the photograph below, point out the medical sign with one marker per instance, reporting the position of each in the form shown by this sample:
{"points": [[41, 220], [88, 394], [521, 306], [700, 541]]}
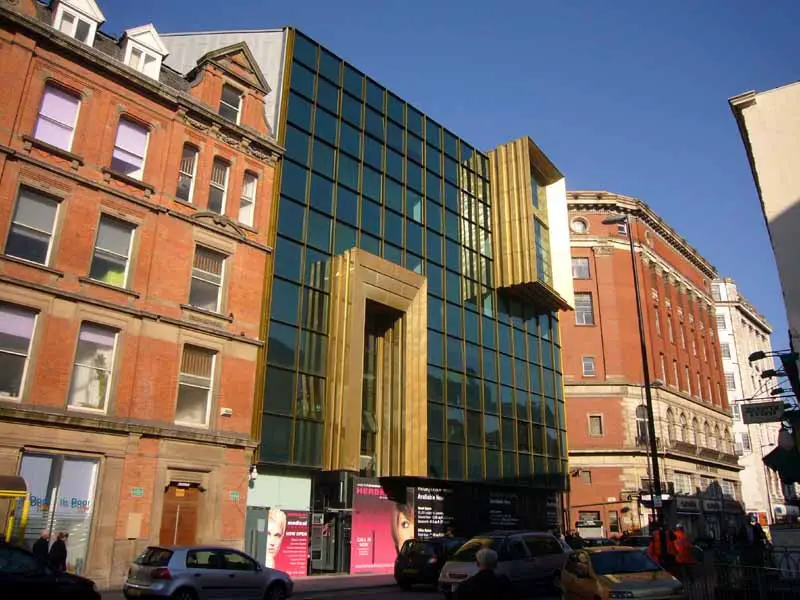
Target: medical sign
{"points": [[763, 412]]}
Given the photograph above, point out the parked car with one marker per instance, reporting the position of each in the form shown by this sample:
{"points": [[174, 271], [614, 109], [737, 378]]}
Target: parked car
{"points": [[22, 577], [641, 542], [618, 572], [203, 573], [530, 559], [597, 542], [421, 561]]}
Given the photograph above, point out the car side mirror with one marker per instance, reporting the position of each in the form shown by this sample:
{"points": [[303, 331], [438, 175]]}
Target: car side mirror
{"points": [[259, 568]]}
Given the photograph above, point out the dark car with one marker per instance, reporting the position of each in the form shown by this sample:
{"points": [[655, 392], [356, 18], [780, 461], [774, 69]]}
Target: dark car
{"points": [[598, 542], [22, 577], [642, 542], [421, 561]]}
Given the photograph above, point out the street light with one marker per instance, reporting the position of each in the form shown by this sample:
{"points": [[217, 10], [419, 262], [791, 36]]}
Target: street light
{"points": [[651, 422]]}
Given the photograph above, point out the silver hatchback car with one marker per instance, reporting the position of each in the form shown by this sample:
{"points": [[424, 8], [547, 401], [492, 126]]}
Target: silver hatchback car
{"points": [[203, 573]]}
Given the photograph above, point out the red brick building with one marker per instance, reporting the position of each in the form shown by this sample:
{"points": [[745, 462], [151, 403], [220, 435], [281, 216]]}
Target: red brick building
{"points": [[134, 213], [607, 425]]}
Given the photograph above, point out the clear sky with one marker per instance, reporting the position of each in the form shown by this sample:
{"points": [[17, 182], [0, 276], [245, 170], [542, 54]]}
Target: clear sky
{"points": [[628, 96]]}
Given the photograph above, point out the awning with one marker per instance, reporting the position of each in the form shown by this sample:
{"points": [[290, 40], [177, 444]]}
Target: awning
{"points": [[786, 463], [12, 485]]}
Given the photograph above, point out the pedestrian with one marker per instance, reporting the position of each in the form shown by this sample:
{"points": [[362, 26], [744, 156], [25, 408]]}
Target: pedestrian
{"points": [[58, 552], [41, 547], [449, 533], [684, 555], [485, 583]]}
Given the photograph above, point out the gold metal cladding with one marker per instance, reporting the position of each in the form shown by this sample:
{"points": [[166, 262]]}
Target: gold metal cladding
{"points": [[402, 437]]}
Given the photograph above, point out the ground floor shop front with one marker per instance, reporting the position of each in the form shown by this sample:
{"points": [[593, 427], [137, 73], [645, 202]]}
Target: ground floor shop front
{"points": [[334, 522], [116, 492]]}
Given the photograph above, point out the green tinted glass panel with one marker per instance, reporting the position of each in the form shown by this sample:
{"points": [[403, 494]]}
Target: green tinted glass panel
{"points": [[302, 80], [344, 238], [319, 231], [394, 195], [471, 321], [490, 403], [317, 270], [450, 144], [277, 446], [329, 65], [453, 285], [472, 354], [455, 388], [433, 216], [435, 421], [299, 111], [305, 50], [374, 95], [313, 352], [281, 386], [327, 95], [415, 263], [434, 247], [414, 205], [433, 133], [467, 152], [325, 126], [323, 158], [435, 280], [370, 244], [414, 175], [433, 187], [353, 81], [371, 183], [371, 217], [452, 256], [451, 197], [455, 354], [350, 140], [393, 232], [291, 218], [296, 144], [347, 206], [414, 147], [394, 136], [454, 320], [293, 181], [436, 460], [393, 253], [285, 301], [351, 110], [321, 193], [374, 123], [396, 109], [414, 237], [373, 152], [450, 170], [433, 160], [394, 165], [315, 310], [435, 313], [435, 348], [487, 330], [414, 121], [291, 259], [348, 172]]}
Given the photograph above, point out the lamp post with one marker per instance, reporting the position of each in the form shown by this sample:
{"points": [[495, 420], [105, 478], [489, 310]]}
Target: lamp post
{"points": [[651, 422]]}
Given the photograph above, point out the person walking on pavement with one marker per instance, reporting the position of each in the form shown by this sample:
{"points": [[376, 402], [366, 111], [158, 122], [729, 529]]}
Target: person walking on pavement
{"points": [[485, 583], [41, 547], [58, 552], [684, 555]]}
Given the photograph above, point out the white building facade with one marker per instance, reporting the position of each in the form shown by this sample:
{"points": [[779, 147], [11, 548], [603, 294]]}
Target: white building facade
{"points": [[742, 330]]}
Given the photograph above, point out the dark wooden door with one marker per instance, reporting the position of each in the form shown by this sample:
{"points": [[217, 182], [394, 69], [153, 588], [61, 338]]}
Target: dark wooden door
{"points": [[179, 516]]}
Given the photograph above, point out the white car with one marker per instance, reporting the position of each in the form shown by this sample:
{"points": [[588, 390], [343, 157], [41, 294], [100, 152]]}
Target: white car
{"points": [[530, 559]]}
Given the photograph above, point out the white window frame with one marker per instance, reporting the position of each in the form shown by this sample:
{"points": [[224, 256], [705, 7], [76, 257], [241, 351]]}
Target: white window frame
{"points": [[730, 382], [592, 370], [192, 176], [251, 200], [223, 188], [238, 109], [50, 234], [725, 349], [151, 69], [209, 390], [198, 274], [683, 336], [58, 20], [622, 229], [699, 393], [583, 261], [657, 320], [583, 321], [110, 370], [71, 127], [722, 322], [596, 418], [26, 364], [663, 368], [140, 173], [688, 377], [127, 257]]}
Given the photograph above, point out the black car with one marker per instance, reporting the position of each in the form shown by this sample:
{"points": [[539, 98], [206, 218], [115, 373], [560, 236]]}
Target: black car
{"points": [[22, 577], [421, 561]]}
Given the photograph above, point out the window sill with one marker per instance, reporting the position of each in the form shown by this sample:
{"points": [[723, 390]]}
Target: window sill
{"points": [[86, 410], [35, 265], [108, 286], [246, 227], [207, 313], [132, 181], [186, 203], [32, 142]]}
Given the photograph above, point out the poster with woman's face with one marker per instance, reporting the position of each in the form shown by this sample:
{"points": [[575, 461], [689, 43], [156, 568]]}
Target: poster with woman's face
{"points": [[380, 528], [287, 541]]}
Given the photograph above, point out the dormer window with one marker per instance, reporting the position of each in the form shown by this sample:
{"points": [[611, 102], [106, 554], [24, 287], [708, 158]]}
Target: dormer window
{"points": [[78, 19], [230, 104], [143, 50]]}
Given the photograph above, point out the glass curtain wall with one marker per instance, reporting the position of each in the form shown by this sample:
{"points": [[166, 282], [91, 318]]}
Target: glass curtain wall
{"points": [[365, 169]]}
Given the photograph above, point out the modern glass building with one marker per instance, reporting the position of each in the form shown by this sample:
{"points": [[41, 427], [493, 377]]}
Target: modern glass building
{"points": [[412, 319]]}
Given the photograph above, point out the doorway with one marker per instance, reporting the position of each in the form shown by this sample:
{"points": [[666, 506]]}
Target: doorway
{"points": [[179, 515]]}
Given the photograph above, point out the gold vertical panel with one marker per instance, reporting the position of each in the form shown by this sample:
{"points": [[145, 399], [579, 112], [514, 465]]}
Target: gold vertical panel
{"points": [[358, 276]]}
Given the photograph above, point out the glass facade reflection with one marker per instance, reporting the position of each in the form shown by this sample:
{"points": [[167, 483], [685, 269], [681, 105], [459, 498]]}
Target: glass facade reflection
{"points": [[365, 169]]}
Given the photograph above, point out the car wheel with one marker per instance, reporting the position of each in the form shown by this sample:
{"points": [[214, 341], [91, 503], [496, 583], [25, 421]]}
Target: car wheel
{"points": [[183, 594], [275, 592]]}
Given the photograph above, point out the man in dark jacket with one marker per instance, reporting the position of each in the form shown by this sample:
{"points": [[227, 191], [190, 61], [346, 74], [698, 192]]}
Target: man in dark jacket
{"points": [[41, 547], [485, 583], [58, 552]]}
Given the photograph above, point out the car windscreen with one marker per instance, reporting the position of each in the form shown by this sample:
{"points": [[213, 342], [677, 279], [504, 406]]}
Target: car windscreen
{"points": [[468, 551], [154, 557], [417, 548], [639, 541], [622, 561]]}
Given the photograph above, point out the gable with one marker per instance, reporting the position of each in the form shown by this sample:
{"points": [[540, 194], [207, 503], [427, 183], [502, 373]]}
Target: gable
{"points": [[88, 8], [147, 36], [239, 62]]}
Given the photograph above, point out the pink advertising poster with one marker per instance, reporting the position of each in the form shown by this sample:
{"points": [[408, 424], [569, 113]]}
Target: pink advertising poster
{"points": [[380, 527], [287, 541]]}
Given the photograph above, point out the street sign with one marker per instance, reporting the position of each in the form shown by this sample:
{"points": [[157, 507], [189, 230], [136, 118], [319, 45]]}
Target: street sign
{"points": [[137, 492], [657, 502], [763, 412]]}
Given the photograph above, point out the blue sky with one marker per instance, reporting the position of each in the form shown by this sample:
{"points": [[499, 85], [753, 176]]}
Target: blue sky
{"points": [[623, 95]]}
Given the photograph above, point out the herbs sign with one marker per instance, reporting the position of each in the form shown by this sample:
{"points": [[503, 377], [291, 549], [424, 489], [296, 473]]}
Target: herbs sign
{"points": [[763, 412]]}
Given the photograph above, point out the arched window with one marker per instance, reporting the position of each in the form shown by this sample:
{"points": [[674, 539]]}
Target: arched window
{"points": [[727, 442], [683, 432], [641, 425], [708, 441], [670, 425], [695, 432], [718, 443]]}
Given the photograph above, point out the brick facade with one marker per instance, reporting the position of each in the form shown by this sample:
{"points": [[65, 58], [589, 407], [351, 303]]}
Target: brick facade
{"points": [[128, 431], [603, 369]]}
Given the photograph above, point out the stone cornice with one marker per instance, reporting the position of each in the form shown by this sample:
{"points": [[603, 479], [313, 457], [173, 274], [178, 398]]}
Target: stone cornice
{"points": [[90, 57]]}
